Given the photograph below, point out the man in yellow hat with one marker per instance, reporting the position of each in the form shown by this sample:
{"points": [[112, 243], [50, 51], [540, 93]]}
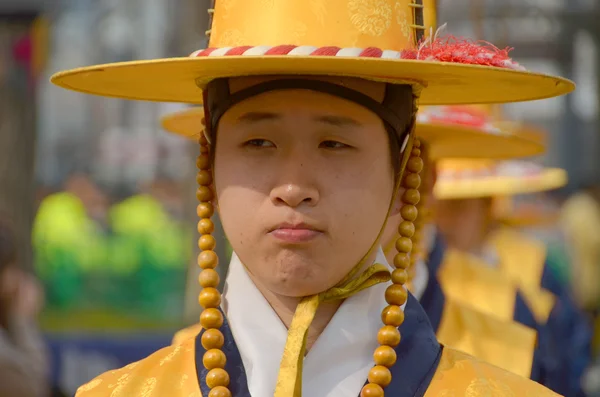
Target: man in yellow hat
{"points": [[310, 113], [465, 194], [504, 343]]}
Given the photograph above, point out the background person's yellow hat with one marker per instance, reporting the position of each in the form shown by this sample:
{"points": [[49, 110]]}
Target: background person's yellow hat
{"points": [[468, 178], [476, 131], [381, 40], [451, 132], [528, 210]]}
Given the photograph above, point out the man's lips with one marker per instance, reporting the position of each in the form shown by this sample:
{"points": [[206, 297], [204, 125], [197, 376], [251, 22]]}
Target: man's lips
{"points": [[295, 233]]}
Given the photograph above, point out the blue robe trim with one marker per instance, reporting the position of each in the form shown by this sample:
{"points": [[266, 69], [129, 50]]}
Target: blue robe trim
{"points": [[433, 300], [418, 354], [234, 366], [572, 330], [563, 351]]}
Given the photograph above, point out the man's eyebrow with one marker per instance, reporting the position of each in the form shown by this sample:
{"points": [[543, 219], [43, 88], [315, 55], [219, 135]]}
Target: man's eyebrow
{"points": [[255, 117], [336, 121]]}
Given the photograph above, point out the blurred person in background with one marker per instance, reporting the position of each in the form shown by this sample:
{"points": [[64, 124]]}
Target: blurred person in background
{"points": [[23, 360], [467, 217], [151, 246], [91, 195], [69, 239], [580, 221]]}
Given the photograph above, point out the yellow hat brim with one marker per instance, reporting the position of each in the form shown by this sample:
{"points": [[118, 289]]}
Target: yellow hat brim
{"points": [[549, 179], [446, 141], [179, 79], [456, 141], [186, 123], [530, 219]]}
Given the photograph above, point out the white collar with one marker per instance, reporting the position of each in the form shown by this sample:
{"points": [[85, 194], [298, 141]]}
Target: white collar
{"points": [[338, 363], [419, 282]]}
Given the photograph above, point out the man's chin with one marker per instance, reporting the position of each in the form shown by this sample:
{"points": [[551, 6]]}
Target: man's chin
{"points": [[297, 288]]}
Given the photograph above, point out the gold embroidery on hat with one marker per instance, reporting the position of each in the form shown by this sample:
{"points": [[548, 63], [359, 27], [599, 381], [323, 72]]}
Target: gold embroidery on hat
{"points": [[227, 5], [402, 20], [231, 38], [318, 9], [300, 30], [371, 17]]}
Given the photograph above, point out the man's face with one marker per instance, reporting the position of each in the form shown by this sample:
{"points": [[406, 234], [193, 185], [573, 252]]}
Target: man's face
{"points": [[464, 223], [304, 181]]}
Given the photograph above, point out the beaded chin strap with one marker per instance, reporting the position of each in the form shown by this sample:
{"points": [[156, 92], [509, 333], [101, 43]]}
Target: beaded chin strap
{"points": [[395, 295], [211, 318], [419, 251]]}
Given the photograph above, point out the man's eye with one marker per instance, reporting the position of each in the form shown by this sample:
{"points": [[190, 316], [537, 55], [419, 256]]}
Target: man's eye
{"points": [[333, 145], [259, 143]]}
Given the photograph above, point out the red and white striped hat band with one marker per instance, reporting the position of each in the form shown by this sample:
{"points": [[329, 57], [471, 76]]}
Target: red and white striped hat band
{"points": [[448, 49]]}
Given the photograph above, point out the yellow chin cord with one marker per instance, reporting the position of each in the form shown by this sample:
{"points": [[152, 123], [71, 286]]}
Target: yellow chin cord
{"points": [[289, 381]]}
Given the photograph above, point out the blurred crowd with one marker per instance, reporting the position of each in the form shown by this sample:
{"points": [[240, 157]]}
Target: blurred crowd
{"points": [[105, 261], [102, 251]]}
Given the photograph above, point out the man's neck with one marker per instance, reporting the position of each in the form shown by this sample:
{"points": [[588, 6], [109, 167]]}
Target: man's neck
{"points": [[285, 307]]}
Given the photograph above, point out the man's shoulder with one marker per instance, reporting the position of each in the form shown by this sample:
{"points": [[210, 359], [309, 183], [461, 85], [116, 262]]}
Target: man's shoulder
{"points": [[461, 374], [171, 371]]}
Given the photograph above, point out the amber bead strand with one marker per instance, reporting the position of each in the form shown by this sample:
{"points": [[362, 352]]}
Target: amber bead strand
{"points": [[417, 252], [211, 318], [396, 295]]}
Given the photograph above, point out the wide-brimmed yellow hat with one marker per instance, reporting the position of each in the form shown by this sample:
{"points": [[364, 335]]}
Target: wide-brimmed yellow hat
{"points": [[451, 131], [468, 178], [476, 131], [382, 40], [530, 210]]}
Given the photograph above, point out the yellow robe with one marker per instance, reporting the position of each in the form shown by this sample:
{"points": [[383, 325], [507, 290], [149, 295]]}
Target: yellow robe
{"points": [[172, 372], [506, 344], [468, 280]]}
